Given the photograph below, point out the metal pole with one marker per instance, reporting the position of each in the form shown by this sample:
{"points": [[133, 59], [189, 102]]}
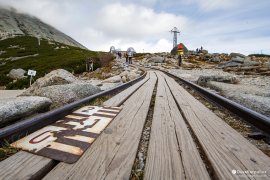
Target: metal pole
{"points": [[30, 80]]}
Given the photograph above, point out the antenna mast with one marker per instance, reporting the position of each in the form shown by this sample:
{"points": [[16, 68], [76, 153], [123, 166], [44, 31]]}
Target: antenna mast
{"points": [[175, 31]]}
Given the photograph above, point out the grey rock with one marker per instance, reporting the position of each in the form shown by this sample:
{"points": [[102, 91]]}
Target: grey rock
{"points": [[237, 59], [132, 75], [124, 79], [208, 55], [64, 94], [141, 160], [204, 51], [107, 86], [56, 77], [106, 75], [124, 73], [114, 79], [16, 108], [215, 59], [3, 63], [156, 59], [257, 103], [267, 64], [95, 82], [237, 55], [17, 73], [247, 95], [203, 80], [229, 64], [98, 70], [248, 62], [2, 52]]}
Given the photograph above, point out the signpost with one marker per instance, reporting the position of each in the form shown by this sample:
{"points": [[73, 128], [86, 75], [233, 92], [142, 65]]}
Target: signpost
{"points": [[31, 73]]}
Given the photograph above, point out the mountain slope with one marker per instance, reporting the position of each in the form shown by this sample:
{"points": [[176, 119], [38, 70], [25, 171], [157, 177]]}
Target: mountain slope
{"points": [[24, 52], [18, 24]]}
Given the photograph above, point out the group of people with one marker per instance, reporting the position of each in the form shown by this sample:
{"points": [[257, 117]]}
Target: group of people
{"points": [[129, 56], [199, 50]]}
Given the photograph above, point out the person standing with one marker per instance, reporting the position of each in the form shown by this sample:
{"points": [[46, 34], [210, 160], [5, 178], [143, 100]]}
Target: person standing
{"points": [[126, 56], [120, 55], [130, 55], [91, 65]]}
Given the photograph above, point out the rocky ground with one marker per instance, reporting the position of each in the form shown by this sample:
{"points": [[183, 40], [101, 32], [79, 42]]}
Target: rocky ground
{"points": [[250, 91], [241, 78], [249, 88], [61, 87]]}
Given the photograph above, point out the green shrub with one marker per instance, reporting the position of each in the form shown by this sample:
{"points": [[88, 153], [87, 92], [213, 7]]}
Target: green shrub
{"points": [[19, 84], [48, 59], [4, 80], [105, 59]]}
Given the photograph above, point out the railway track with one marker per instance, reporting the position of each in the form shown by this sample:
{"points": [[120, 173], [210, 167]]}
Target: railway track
{"points": [[259, 121], [186, 137], [18, 130]]}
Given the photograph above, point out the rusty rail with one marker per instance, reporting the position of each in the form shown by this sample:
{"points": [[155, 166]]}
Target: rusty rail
{"points": [[18, 130]]}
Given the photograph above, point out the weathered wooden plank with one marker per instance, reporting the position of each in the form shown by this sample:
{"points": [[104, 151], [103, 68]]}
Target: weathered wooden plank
{"points": [[24, 165], [225, 148], [172, 153], [118, 99], [112, 155]]}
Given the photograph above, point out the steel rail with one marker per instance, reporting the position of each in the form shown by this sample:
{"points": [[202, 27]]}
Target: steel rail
{"points": [[258, 120], [18, 130]]}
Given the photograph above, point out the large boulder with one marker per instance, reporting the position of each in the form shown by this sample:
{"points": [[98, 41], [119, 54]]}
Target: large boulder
{"points": [[234, 55], [12, 109], [107, 86], [203, 80], [114, 79], [133, 75], [56, 77], [156, 59], [249, 62], [17, 73], [237, 59], [257, 103], [124, 73], [267, 64], [229, 64], [215, 59], [64, 94]]}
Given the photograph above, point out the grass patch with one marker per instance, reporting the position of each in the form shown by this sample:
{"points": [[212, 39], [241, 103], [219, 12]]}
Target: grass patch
{"points": [[51, 56], [7, 151]]}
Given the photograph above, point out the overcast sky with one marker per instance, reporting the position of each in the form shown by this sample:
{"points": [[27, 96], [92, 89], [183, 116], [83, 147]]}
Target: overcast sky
{"points": [[217, 25]]}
